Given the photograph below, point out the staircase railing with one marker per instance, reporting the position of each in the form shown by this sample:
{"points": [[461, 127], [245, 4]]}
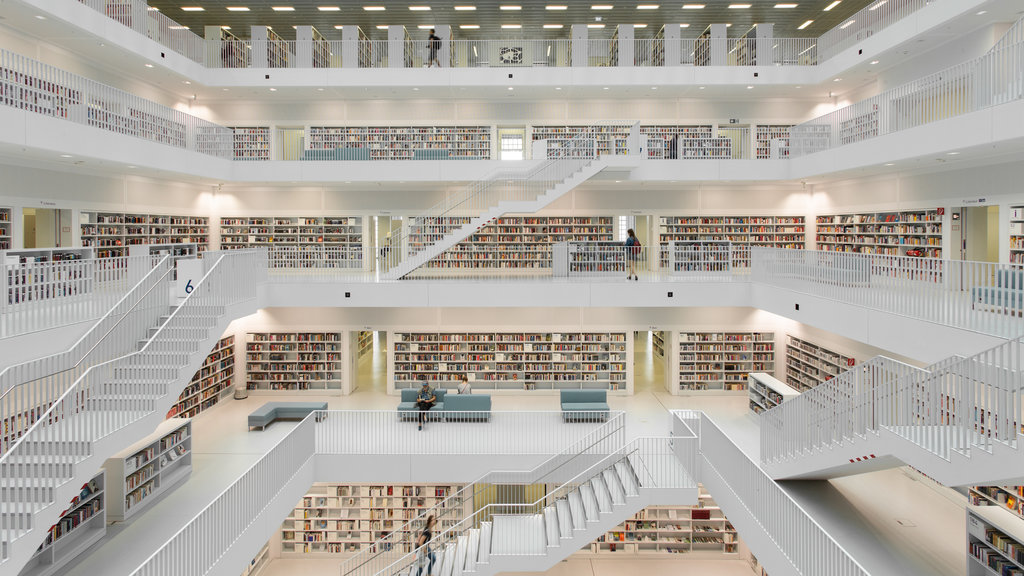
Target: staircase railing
{"points": [[117, 393], [387, 550], [29, 388], [460, 208]]}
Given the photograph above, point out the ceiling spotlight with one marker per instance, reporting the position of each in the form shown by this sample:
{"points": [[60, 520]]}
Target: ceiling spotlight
{"points": [[465, 8], [329, 8], [469, 26], [192, 8], [238, 8], [805, 25], [693, 6], [556, 7], [832, 5], [283, 8]]}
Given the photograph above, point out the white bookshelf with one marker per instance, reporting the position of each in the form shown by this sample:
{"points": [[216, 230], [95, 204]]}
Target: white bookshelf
{"points": [[400, 142], [661, 530], [892, 233], [111, 233], [365, 342], [295, 361], [722, 361], [995, 542], [81, 525], [658, 342], [1008, 497], [336, 519], [770, 231], [525, 361], [151, 467], [609, 140], [809, 364], [767, 392], [47, 274], [210, 384], [1016, 234], [317, 241], [767, 133], [251, 143], [6, 234]]}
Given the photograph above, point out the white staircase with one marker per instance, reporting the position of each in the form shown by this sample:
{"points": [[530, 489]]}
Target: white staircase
{"points": [[959, 421], [112, 404]]}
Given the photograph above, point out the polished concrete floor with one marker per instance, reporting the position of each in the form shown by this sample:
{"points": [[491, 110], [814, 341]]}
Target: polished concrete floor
{"points": [[897, 521]]}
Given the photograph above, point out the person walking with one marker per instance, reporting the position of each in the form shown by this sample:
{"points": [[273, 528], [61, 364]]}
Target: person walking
{"points": [[434, 44], [425, 401], [632, 253], [424, 555]]}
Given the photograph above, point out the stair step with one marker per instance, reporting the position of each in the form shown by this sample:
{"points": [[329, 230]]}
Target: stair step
{"points": [[460, 555], [604, 499], [628, 477], [579, 520], [611, 480], [589, 501], [551, 536], [564, 518], [484, 556], [472, 548], [447, 567]]}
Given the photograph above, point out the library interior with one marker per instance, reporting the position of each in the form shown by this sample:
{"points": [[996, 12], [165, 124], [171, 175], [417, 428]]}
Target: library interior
{"points": [[569, 288]]}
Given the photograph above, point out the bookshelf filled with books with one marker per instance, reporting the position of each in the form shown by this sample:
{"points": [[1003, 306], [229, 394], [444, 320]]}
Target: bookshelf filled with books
{"points": [[995, 542], [47, 274], [519, 361], [110, 233], [151, 467], [211, 383], [402, 142], [767, 392], [609, 139], [771, 231], [295, 361], [6, 233], [251, 143], [347, 518], [515, 242], [310, 241], [657, 530], [722, 361], [903, 233], [768, 133], [685, 141], [81, 525], [1009, 497], [809, 364], [365, 342], [658, 343], [1016, 234]]}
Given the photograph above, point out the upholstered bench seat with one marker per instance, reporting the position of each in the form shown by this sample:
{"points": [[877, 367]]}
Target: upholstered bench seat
{"points": [[283, 411]]}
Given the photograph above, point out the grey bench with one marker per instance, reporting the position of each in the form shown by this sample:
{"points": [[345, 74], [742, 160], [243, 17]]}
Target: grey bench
{"points": [[283, 411], [581, 405]]}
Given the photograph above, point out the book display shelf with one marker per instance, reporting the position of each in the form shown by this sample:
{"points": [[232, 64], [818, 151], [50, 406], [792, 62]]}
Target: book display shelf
{"points": [[210, 384], [767, 392], [278, 52], [808, 364], [318, 242], [764, 136], [890, 233], [110, 233], [81, 525], [515, 242], [153, 466], [1009, 497], [294, 361], [402, 142], [46, 274], [693, 141], [658, 342], [6, 233], [995, 542], [348, 518], [1016, 234], [609, 140], [365, 342], [251, 143], [771, 231], [723, 360], [512, 361], [656, 530]]}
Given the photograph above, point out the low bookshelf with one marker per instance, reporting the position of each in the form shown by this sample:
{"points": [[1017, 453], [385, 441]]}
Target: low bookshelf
{"points": [[211, 383], [512, 361], [741, 231], [295, 361], [110, 233], [153, 466], [722, 361], [765, 135], [896, 233], [1016, 234], [809, 364], [365, 342], [336, 519], [81, 525], [6, 233], [307, 241], [995, 542], [767, 392]]}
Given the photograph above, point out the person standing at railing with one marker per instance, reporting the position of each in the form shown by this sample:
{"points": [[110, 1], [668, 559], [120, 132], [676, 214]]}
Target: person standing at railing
{"points": [[434, 45], [632, 253], [424, 555]]}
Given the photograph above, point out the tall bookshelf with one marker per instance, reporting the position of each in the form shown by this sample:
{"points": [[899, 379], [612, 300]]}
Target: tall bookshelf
{"points": [[767, 392], [516, 242], [324, 242], [658, 343], [399, 142], [702, 529], [770, 231], [1016, 234], [149, 468], [365, 342], [609, 139], [765, 134], [809, 364], [277, 50], [891, 233], [110, 233], [294, 361], [210, 384], [6, 233], [995, 542], [526, 361], [81, 525], [347, 518], [723, 360], [251, 143], [693, 141]]}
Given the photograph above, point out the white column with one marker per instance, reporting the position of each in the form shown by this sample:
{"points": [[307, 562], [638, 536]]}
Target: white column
{"points": [[626, 45], [718, 45], [765, 44], [579, 45], [350, 47], [304, 47], [444, 56], [258, 53], [396, 46], [673, 45]]}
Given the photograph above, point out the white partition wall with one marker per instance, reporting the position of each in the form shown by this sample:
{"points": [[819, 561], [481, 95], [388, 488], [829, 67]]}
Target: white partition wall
{"points": [[626, 45], [579, 44], [258, 53], [673, 44]]}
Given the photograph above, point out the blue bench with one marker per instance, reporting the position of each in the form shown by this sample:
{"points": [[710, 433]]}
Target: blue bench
{"points": [[283, 411], [479, 404], [357, 154], [430, 154], [1008, 293], [581, 405], [408, 404]]}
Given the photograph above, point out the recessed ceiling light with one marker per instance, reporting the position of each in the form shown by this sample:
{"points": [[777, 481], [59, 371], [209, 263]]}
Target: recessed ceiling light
{"points": [[805, 25], [465, 8], [558, 87], [273, 89], [238, 8], [890, 164], [339, 26], [420, 8], [874, 62], [225, 89], [426, 26], [654, 87], [172, 28], [702, 87], [798, 87], [982, 12], [952, 153], [319, 89], [729, 25], [693, 6], [66, 156], [639, 25], [415, 89], [847, 24], [152, 8], [374, 8], [739, 6], [605, 88], [750, 87], [148, 65], [383, 26], [469, 26], [229, 27], [554, 26], [601, 7], [511, 26], [684, 25], [837, 79], [787, 5], [283, 8], [877, 5], [511, 88], [192, 8], [595, 25], [647, 7], [510, 7], [329, 8], [133, 166], [188, 82], [832, 5], [556, 7]]}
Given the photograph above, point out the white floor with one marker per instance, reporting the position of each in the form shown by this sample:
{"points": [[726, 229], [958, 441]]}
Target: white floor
{"points": [[899, 522]]}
